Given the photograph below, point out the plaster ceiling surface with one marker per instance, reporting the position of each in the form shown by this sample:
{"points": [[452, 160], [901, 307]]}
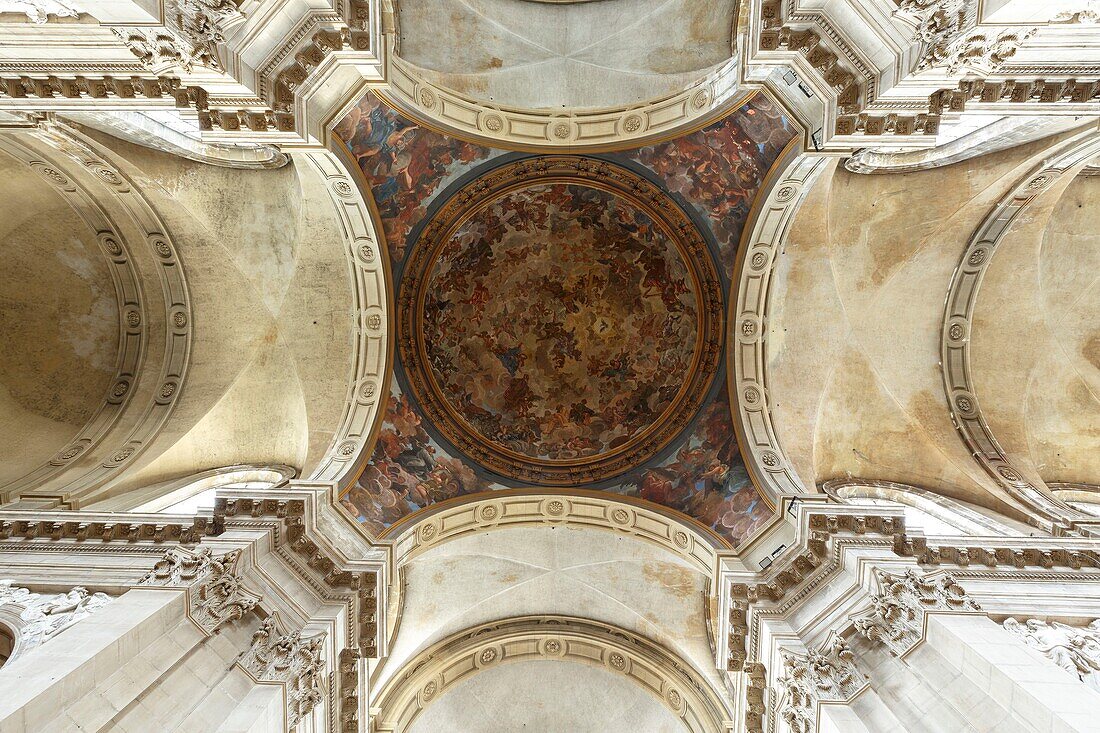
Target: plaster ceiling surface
{"points": [[268, 283], [59, 320], [1036, 338], [855, 321], [580, 55], [559, 316], [607, 577], [547, 697]]}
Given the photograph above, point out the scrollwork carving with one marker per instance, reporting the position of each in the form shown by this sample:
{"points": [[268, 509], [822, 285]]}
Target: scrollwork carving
{"points": [[896, 616], [39, 11], [44, 616], [216, 594]]}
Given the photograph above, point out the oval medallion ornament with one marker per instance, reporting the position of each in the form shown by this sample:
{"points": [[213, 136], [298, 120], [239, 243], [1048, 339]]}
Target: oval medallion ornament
{"points": [[560, 320]]}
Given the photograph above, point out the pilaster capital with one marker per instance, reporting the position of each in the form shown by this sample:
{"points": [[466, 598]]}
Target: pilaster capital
{"points": [[288, 658], [215, 588], [828, 674], [897, 614]]}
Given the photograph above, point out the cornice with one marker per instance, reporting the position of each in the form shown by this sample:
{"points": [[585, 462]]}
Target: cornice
{"points": [[826, 532]]}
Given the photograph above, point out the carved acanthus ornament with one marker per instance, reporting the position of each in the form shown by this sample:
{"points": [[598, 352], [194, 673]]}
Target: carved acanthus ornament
{"points": [[44, 616], [1074, 649], [289, 659], [215, 590], [828, 674], [190, 37], [896, 616]]}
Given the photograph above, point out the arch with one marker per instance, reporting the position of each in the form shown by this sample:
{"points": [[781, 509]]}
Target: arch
{"points": [[7, 643], [460, 115], [155, 313], [1083, 497], [501, 509], [1042, 508], [765, 235], [442, 666], [938, 508], [1001, 134]]}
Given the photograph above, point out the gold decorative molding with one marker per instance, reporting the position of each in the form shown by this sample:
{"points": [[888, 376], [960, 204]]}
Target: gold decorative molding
{"points": [[523, 508], [673, 223], [410, 90], [444, 665], [962, 295]]}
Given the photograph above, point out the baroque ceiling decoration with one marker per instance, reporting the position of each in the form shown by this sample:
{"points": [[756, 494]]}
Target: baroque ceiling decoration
{"points": [[506, 379], [560, 320]]}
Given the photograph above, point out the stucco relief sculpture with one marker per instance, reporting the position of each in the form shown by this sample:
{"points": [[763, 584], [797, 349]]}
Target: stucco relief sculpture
{"points": [[39, 11], [896, 617], [44, 616], [823, 675], [1074, 649], [190, 36], [215, 589], [290, 659]]}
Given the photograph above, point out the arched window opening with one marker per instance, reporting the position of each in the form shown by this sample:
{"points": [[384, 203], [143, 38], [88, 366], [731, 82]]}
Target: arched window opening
{"points": [[194, 493], [1083, 497], [914, 518], [931, 513]]}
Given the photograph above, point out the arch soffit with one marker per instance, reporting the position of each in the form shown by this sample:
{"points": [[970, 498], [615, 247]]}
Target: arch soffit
{"points": [[679, 536], [353, 438], [446, 664], [1036, 501], [135, 409], [765, 236], [137, 404]]}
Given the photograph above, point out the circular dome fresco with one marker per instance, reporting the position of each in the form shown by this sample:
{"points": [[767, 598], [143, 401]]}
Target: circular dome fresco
{"points": [[560, 320]]}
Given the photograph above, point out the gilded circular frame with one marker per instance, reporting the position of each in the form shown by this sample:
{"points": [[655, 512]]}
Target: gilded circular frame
{"points": [[675, 224]]}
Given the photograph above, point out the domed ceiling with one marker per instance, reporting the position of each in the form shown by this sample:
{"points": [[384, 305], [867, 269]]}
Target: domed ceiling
{"points": [[561, 317]]}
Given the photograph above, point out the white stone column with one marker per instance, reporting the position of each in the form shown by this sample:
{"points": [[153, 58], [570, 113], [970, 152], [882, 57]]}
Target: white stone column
{"points": [[840, 718], [1033, 688], [261, 711], [53, 676]]}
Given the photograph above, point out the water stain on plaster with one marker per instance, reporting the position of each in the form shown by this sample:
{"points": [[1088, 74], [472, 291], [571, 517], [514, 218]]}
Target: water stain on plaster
{"points": [[1091, 349], [677, 580]]}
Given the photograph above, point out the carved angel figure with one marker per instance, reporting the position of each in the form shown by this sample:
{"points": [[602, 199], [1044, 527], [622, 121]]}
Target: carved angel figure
{"points": [[13, 594], [39, 11], [1071, 648]]}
